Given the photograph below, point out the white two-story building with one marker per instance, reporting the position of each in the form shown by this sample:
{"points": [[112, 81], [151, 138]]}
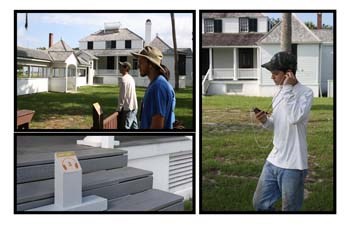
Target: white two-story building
{"points": [[234, 45]]}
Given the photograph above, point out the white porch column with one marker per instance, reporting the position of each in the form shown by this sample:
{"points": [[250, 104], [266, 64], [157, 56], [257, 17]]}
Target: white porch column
{"points": [[76, 78], [210, 64], [258, 66], [66, 74], [30, 71], [235, 64]]}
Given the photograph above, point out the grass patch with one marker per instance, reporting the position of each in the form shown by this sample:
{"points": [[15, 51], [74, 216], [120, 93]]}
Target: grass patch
{"points": [[232, 161], [73, 110]]}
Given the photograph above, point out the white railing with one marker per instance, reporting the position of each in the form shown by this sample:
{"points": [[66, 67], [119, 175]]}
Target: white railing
{"points": [[107, 72], [229, 73], [223, 73], [247, 73], [330, 88], [205, 82]]}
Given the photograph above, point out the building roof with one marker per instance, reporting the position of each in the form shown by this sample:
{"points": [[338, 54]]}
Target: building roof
{"points": [[32, 53], [325, 35], [60, 56], [85, 55], [230, 39], [231, 15], [111, 52], [168, 50], [116, 34], [60, 46], [160, 44], [300, 33]]}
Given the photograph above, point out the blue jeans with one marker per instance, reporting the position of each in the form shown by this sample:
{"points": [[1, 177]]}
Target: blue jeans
{"points": [[275, 183], [129, 120]]}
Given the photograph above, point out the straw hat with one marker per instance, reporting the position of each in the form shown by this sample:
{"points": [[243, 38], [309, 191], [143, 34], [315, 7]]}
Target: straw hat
{"points": [[152, 54]]}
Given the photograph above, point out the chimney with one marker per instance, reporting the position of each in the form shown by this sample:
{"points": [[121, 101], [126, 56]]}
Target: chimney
{"points": [[148, 31], [50, 39], [319, 21]]}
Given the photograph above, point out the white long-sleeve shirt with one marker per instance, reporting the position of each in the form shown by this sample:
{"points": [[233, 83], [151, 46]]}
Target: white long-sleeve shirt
{"points": [[127, 94], [291, 108]]}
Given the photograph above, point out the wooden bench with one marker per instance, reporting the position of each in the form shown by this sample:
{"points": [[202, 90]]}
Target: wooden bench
{"points": [[24, 117], [111, 122]]}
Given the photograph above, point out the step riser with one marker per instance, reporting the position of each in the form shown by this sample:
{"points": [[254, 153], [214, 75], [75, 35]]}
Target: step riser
{"points": [[110, 192], [176, 207], [46, 171]]}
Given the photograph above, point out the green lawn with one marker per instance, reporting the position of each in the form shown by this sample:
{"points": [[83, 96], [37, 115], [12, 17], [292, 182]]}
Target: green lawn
{"points": [[232, 160], [73, 110]]}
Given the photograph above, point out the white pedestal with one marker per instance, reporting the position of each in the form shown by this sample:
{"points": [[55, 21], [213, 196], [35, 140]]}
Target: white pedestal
{"points": [[68, 187]]}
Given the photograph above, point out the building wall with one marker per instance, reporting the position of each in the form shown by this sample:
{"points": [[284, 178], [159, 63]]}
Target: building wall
{"points": [[262, 24], [308, 66], [57, 84], [31, 85], [120, 44], [326, 66], [223, 58], [230, 25]]}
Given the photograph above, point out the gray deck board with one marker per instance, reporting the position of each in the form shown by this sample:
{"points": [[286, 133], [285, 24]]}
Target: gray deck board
{"points": [[150, 200], [45, 189]]}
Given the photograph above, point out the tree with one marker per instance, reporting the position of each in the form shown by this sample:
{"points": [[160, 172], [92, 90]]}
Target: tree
{"points": [[286, 32], [310, 25], [176, 58], [274, 21]]}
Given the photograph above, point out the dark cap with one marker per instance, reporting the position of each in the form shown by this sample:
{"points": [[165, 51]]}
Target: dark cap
{"points": [[281, 61]]}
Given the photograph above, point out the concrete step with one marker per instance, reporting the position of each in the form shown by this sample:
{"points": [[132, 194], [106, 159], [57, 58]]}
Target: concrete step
{"points": [[150, 200], [110, 184]]}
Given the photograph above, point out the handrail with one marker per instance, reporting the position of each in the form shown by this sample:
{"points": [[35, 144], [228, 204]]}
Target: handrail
{"points": [[206, 77]]}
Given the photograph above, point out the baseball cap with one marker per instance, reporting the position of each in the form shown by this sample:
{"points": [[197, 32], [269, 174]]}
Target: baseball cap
{"points": [[282, 61]]}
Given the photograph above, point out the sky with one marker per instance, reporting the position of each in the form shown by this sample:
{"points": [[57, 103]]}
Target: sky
{"points": [[71, 27], [327, 18]]}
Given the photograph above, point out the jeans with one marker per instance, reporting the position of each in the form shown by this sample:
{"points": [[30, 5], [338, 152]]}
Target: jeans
{"points": [[275, 183], [128, 120]]}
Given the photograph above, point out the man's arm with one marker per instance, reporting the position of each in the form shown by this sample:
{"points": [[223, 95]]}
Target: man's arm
{"points": [[157, 122], [122, 94], [298, 108]]}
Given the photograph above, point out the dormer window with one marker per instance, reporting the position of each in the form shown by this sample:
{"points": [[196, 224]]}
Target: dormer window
{"points": [[211, 25], [90, 45], [248, 24], [110, 44], [127, 44], [208, 25]]}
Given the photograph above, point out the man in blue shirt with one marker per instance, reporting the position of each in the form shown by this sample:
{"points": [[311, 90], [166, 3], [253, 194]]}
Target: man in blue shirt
{"points": [[159, 100]]}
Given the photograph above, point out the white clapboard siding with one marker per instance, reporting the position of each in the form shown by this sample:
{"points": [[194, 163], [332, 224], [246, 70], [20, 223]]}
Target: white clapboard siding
{"points": [[180, 170]]}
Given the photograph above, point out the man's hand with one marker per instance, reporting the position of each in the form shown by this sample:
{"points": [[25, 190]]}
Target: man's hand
{"points": [[261, 116], [290, 79]]}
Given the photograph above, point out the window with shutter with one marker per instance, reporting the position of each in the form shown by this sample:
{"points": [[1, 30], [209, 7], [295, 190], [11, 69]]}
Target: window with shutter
{"points": [[218, 26], [90, 45], [208, 25], [253, 25], [243, 24]]}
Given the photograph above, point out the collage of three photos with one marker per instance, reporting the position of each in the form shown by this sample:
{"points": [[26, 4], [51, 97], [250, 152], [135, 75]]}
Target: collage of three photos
{"points": [[106, 111]]}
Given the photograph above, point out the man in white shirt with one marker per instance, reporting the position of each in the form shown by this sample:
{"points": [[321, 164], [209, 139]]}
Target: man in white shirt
{"points": [[127, 101], [286, 166]]}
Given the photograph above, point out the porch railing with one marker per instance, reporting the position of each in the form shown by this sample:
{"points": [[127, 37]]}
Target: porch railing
{"points": [[229, 73], [107, 72], [205, 82]]}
